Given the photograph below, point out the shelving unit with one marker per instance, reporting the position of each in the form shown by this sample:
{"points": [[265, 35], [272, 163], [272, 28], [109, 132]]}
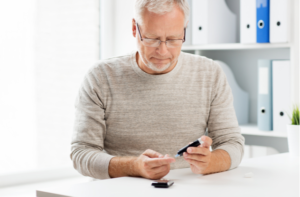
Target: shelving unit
{"points": [[251, 129], [242, 59], [235, 46]]}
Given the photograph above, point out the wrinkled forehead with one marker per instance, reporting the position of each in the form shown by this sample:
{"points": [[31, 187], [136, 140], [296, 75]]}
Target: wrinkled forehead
{"points": [[162, 32]]}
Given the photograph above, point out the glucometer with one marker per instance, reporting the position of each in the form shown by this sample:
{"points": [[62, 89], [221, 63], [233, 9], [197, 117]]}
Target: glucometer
{"points": [[162, 183], [184, 149]]}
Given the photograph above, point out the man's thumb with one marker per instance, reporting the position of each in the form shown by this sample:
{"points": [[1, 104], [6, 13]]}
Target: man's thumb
{"points": [[152, 154]]}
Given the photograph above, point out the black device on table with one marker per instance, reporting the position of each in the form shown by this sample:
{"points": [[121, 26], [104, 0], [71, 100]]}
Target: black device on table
{"points": [[162, 183]]}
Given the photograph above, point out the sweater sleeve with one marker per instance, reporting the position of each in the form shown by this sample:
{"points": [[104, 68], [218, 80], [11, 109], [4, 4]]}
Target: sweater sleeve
{"points": [[87, 146], [223, 126]]}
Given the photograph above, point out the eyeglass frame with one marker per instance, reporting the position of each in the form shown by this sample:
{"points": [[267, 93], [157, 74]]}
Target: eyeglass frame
{"points": [[141, 38]]}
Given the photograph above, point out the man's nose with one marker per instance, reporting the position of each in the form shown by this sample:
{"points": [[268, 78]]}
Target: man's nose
{"points": [[162, 49]]}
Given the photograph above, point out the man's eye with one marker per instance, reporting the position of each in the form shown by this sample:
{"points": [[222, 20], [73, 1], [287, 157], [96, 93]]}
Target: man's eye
{"points": [[151, 40]]}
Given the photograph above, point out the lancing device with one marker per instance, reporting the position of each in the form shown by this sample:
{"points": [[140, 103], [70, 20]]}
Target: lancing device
{"points": [[184, 149]]}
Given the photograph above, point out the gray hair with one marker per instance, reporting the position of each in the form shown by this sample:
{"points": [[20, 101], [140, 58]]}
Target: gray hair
{"points": [[160, 7]]}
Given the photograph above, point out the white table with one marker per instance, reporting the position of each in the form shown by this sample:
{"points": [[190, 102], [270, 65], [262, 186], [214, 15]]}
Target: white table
{"points": [[274, 176]]}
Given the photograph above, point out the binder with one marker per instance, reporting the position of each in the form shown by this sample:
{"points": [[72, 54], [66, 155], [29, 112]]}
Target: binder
{"points": [[200, 21], [263, 21], [213, 22], [279, 21], [248, 21], [264, 106], [188, 35], [281, 94]]}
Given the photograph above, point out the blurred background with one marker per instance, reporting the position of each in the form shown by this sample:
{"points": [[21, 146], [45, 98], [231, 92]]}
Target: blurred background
{"points": [[46, 48]]}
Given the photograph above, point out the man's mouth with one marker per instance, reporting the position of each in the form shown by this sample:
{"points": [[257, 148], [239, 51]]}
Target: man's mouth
{"points": [[160, 60]]}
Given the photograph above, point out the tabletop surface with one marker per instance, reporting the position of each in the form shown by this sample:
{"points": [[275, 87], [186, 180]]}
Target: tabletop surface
{"points": [[275, 175]]}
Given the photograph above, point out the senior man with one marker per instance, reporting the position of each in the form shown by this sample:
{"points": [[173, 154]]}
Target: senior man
{"points": [[134, 112]]}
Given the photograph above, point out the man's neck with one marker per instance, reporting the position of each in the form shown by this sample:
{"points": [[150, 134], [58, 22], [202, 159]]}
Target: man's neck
{"points": [[144, 68]]}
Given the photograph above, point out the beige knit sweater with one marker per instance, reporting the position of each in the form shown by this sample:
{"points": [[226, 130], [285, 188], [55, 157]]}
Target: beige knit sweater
{"points": [[122, 111]]}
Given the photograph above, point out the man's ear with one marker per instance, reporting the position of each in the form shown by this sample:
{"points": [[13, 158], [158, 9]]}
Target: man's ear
{"points": [[133, 28], [186, 24]]}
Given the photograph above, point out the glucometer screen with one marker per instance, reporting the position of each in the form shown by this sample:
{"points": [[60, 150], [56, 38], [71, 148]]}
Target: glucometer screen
{"points": [[161, 181]]}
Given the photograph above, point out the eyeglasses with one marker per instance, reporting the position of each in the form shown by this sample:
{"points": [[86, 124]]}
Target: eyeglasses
{"points": [[173, 43]]}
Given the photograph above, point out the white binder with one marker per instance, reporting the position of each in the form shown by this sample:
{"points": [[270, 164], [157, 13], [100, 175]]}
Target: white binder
{"points": [[188, 35], [213, 22], [281, 94], [279, 21], [248, 21]]}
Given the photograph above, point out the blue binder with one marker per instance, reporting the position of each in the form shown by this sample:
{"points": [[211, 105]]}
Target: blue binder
{"points": [[263, 21], [265, 96]]}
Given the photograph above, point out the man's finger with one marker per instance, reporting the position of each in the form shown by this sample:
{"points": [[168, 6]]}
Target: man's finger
{"points": [[162, 173], [160, 169], [155, 162], [195, 163], [152, 154], [196, 157], [198, 150], [207, 141]]}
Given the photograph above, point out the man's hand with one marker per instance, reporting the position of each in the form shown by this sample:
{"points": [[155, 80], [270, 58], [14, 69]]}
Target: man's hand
{"points": [[153, 165], [199, 157], [150, 164]]}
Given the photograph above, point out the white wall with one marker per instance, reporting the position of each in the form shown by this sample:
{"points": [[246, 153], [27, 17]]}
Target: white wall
{"points": [[67, 46], [17, 92], [116, 31], [46, 48]]}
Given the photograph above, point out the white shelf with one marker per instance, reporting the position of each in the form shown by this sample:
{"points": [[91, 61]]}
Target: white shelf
{"points": [[253, 130], [236, 46]]}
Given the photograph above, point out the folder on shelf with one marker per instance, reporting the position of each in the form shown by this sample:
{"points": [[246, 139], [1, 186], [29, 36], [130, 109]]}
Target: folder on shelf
{"points": [[188, 36], [279, 21], [281, 94], [248, 21], [264, 103], [263, 21], [213, 22]]}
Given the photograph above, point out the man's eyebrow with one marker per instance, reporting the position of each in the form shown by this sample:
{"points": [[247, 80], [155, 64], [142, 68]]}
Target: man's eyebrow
{"points": [[156, 36]]}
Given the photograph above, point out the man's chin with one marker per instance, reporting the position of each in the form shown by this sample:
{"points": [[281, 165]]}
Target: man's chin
{"points": [[159, 67]]}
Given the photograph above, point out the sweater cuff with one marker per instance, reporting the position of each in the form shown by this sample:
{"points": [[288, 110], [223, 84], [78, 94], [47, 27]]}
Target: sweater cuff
{"points": [[234, 154], [100, 166]]}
